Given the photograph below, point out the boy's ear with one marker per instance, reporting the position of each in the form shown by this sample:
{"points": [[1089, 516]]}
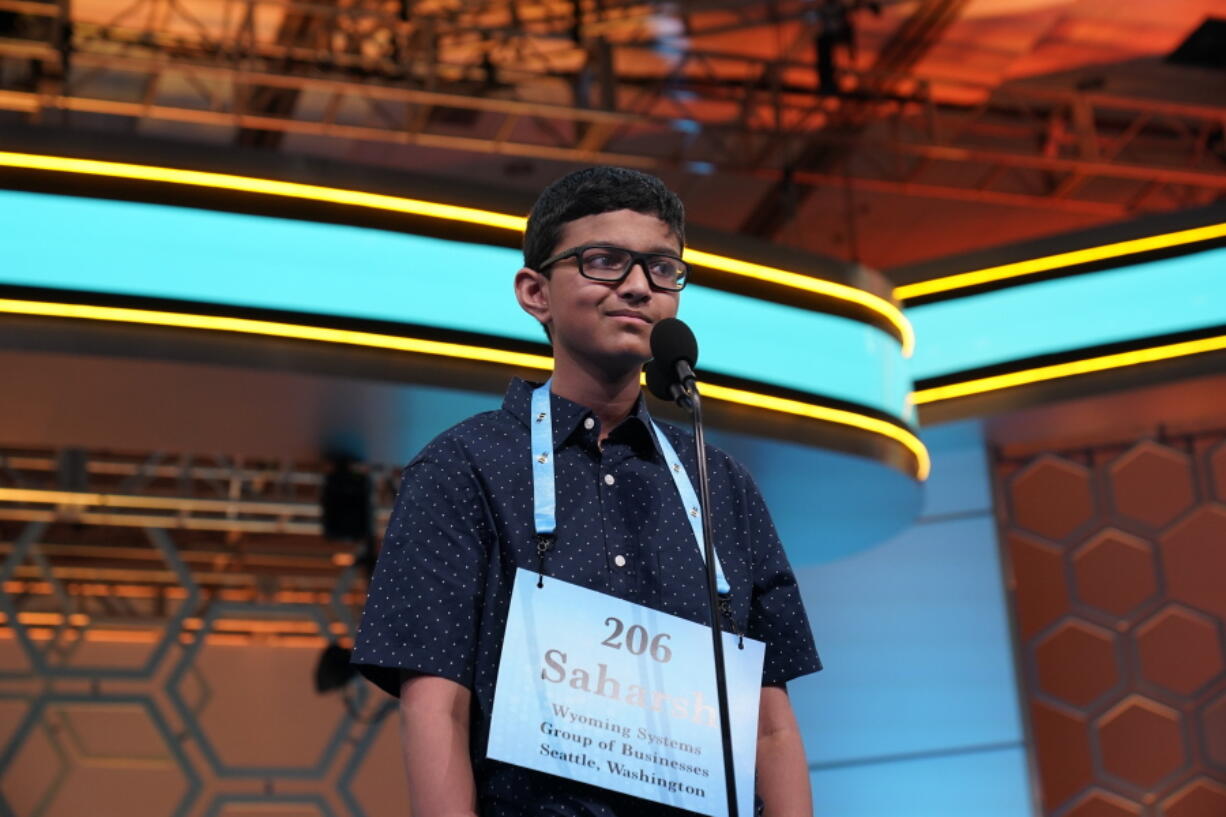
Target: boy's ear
{"points": [[532, 292]]}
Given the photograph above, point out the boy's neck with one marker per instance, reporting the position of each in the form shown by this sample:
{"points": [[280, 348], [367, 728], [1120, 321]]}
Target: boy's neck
{"points": [[611, 397]]}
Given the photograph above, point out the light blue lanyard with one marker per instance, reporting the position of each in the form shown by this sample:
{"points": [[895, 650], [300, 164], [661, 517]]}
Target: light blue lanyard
{"points": [[544, 489]]}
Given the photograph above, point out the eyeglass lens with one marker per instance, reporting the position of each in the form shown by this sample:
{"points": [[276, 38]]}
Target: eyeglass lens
{"points": [[612, 264]]}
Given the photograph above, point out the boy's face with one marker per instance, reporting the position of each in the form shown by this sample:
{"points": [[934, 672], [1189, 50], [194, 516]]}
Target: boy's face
{"points": [[608, 324]]}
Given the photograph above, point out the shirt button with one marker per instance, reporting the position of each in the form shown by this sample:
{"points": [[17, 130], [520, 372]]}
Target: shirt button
{"points": [[619, 560], [589, 423], [608, 479]]}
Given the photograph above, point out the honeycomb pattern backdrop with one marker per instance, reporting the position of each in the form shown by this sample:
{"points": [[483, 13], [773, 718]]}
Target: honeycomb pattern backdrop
{"points": [[1117, 558], [208, 709]]}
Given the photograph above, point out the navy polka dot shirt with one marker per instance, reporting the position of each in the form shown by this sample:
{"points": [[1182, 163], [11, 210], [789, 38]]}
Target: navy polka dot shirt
{"points": [[463, 522]]}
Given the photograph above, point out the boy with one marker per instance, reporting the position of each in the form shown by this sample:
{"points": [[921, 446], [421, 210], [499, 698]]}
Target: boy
{"points": [[602, 265]]}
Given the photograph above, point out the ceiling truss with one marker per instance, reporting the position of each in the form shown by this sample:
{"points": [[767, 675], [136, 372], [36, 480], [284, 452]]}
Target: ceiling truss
{"points": [[614, 86]]}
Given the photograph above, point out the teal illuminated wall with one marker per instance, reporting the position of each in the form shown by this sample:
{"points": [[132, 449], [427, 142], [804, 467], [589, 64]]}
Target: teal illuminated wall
{"points": [[252, 261], [917, 711], [1143, 300]]}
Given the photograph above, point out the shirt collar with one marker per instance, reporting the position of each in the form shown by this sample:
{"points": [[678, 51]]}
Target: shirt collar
{"points": [[568, 416]]}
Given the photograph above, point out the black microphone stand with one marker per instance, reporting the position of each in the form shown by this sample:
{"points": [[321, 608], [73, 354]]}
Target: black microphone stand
{"points": [[686, 395]]}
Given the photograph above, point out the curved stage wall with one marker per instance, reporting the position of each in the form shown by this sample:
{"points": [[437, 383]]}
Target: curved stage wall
{"points": [[985, 335], [1068, 316], [407, 285], [431, 295]]}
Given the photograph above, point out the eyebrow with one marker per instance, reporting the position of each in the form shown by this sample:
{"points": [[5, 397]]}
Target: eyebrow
{"points": [[658, 249]]}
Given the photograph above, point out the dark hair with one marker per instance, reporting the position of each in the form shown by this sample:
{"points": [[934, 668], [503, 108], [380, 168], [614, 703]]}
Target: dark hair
{"points": [[592, 191]]}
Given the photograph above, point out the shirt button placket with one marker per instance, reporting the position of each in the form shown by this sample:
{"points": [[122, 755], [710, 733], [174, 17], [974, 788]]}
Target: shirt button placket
{"points": [[613, 541]]}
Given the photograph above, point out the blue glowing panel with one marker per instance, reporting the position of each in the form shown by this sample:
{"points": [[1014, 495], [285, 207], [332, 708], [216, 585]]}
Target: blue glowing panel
{"points": [[914, 632], [216, 257], [916, 713], [960, 483], [965, 782], [799, 349], [915, 638], [842, 503], [1081, 311]]}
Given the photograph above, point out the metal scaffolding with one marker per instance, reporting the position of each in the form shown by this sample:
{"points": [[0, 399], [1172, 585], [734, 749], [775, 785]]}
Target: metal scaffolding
{"points": [[92, 538], [616, 82], [186, 492]]}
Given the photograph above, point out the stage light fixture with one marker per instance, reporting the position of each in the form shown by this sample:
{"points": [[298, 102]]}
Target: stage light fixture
{"points": [[345, 502], [333, 671]]}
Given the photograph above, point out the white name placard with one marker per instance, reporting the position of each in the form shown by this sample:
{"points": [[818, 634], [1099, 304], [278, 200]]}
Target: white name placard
{"points": [[607, 692]]}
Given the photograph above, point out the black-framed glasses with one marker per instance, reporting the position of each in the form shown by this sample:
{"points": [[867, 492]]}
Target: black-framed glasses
{"points": [[602, 262]]}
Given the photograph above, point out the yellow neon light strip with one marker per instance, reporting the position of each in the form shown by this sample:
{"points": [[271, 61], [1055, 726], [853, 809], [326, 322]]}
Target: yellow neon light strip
{"points": [[831, 415], [819, 286], [1051, 262], [270, 187], [334, 195], [443, 349], [277, 330], [1059, 370]]}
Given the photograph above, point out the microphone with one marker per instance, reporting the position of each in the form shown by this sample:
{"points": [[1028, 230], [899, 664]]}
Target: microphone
{"points": [[670, 376], [674, 352]]}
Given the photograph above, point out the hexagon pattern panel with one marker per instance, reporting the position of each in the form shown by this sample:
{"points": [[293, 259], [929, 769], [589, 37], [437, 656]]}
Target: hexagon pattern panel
{"points": [[154, 671], [1117, 576]]}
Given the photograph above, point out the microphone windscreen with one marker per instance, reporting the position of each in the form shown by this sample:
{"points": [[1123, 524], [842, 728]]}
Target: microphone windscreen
{"points": [[671, 342], [658, 382]]}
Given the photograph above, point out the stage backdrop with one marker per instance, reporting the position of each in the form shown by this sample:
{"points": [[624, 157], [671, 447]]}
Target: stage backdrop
{"points": [[215, 716], [915, 716], [1117, 564]]}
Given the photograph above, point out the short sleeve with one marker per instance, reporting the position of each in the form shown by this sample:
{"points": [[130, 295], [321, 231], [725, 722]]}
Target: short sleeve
{"points": [[423, 609], [776, 613]]}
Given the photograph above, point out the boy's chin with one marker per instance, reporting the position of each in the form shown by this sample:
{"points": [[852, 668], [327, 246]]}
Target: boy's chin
{"points": [[618, 357], [625, 362], [628, 349]]}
